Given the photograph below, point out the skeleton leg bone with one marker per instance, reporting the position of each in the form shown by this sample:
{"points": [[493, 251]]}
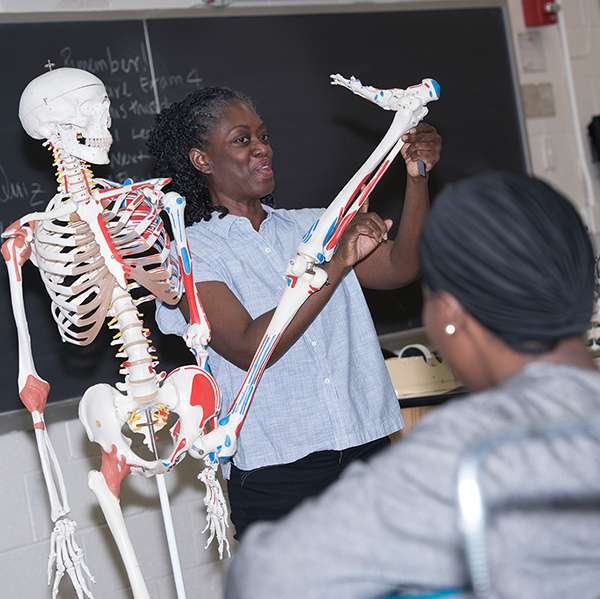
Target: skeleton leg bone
{"points": [[319, 245], [114, 517]]}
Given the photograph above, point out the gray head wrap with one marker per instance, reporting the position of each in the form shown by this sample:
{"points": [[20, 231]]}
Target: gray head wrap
{"points": [[516, 255]]}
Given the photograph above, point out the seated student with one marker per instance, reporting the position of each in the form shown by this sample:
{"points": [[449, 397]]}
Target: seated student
{"points": [[508, 272]]}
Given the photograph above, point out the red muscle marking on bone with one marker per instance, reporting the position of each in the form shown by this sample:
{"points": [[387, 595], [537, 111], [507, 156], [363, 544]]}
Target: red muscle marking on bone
{"points": [[355, 192], [39, 425], [13, 227], [188, 284], [364, 195], [204, 394], [6, 253], [34, 394], [180, 446], [175, 430], [111, 245], [17, 250], [114, 469]]}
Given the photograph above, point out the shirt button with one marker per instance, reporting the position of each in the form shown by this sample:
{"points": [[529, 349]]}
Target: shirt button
{"points": [[313, 343], [326, 381], [268, 250]]}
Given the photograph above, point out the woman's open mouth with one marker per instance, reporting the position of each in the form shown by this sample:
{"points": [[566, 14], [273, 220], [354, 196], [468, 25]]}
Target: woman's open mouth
{"points": [[264, 170]]}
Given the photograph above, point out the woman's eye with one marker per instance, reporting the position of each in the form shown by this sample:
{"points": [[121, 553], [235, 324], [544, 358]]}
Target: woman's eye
{"points": [[265, 138], [241, 140]]}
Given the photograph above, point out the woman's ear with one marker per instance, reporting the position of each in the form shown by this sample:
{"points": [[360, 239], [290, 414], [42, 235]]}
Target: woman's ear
{"points": [[451, 310], [200, 161]]}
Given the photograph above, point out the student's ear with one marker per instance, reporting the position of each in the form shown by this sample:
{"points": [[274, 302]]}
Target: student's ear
{"points": [[452, 310], [200, 161]]}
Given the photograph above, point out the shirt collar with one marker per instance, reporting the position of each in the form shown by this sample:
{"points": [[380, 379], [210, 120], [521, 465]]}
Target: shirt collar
{"points": [[223, 225]]}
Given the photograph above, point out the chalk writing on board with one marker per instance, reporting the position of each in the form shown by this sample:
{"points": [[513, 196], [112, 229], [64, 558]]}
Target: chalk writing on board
{"points": [[110, 63], [31, 193]]}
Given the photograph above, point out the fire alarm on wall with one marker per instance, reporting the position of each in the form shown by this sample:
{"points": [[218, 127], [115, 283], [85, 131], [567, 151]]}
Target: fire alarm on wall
{"points": [[540, 12]]}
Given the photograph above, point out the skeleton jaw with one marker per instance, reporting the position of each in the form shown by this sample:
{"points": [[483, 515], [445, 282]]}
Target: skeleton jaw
{"points": [[91, 146]]}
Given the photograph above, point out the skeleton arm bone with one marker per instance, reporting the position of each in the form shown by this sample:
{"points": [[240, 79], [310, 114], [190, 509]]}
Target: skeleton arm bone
{"points": [[33, 391], [66, 209], [197, 335]]}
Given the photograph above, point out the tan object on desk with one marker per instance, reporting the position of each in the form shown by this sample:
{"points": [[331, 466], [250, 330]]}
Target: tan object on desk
{"points": [[418, 376]]}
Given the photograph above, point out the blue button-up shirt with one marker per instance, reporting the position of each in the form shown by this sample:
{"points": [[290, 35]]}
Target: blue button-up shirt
{"points": [[331, 389]]}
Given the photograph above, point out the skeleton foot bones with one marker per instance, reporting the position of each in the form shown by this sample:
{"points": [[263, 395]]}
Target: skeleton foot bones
{"points": [[101, 250]]}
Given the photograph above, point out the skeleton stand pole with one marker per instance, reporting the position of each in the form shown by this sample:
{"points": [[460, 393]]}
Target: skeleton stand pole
{"points": [[165, 508]]}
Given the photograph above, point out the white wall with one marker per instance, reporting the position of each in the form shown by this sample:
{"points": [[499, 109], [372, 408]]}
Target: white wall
{"points": [[23, 504]]}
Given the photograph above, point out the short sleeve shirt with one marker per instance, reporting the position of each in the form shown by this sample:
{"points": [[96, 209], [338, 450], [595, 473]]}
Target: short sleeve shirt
{"points": [[331, 389]]}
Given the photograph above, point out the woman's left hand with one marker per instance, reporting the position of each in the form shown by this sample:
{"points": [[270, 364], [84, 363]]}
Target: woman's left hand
{"points": [[423, 142]]}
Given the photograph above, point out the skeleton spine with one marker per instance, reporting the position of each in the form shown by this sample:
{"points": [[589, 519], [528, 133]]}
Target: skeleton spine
{"points": [[73, 175], [140, 378]]}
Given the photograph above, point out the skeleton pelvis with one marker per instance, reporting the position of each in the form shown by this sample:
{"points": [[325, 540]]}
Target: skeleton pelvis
{"points": [[189, 392]]}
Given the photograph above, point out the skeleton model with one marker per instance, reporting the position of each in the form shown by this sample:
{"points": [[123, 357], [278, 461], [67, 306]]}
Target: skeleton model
{"points": [[94, 248], [101, 249]]}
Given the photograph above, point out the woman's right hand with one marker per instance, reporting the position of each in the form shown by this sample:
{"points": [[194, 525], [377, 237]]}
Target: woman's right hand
{"points": [[363, 235]]}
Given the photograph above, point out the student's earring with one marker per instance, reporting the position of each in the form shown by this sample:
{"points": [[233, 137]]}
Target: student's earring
{"points": [[450, 329]]}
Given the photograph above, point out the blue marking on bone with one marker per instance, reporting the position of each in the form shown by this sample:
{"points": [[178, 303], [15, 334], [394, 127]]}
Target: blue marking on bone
{"points": [[309, 233], [128, 181], [227, 441], [224, 420], [211, 456], [330, 232], [180, 200], [436, 87], [320, 258], [185, 259]]}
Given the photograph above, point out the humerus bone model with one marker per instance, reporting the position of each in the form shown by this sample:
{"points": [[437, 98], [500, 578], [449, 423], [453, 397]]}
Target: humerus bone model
{"points": [[304, 277], [101, 251]]}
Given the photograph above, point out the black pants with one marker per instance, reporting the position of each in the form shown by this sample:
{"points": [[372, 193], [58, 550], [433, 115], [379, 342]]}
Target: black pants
{"points": [[271, 492]]}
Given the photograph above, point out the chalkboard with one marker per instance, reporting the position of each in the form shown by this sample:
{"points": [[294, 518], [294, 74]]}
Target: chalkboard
{"points": [[321, 133]]}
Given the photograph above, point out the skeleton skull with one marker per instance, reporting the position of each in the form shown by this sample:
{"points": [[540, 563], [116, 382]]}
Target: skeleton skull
{"points": [[70, 108]]}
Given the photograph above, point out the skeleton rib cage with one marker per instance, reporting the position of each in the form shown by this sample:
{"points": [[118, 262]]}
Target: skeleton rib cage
{"points": [[74, 272]]}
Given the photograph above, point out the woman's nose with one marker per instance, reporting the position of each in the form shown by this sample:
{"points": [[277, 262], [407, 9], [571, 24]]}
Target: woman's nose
{"points": [[260, 148]]}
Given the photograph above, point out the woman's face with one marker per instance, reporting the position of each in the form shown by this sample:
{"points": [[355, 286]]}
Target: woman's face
{"points": [[238, 157]]}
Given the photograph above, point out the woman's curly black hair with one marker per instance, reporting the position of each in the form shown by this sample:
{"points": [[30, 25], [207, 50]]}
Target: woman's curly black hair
{"points": [[178, 129]]}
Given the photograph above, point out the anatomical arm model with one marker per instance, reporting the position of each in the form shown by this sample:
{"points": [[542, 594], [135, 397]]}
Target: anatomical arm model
{"points": [[304, 276], [101, 250]]}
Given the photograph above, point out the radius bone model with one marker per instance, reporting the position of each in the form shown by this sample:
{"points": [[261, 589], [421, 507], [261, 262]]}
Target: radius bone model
{"points": [[101, 250]]}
